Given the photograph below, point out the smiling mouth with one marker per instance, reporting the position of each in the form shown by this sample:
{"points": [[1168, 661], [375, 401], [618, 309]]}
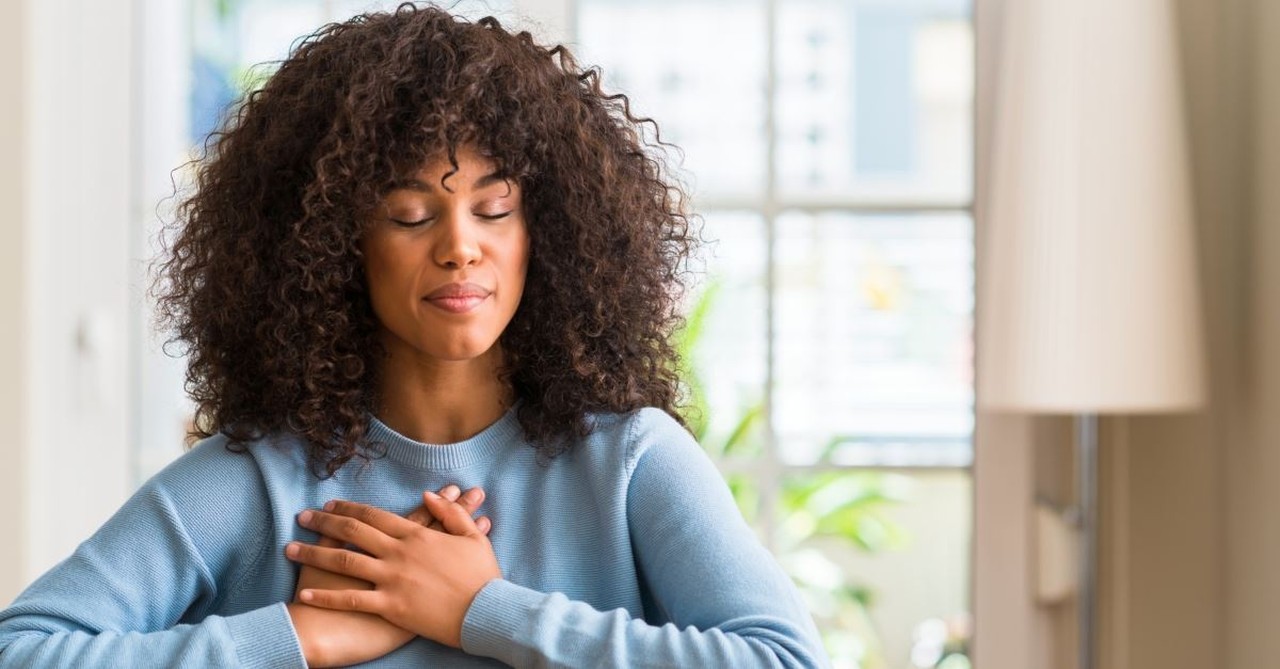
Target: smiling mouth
{"points": [[458, 297], [456, 304]]}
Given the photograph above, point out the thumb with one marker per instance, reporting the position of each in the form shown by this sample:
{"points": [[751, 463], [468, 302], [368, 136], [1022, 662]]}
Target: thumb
{"points": [[455, 519]]}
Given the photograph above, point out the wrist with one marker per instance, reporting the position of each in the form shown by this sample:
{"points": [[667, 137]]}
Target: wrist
{"points": [[457, 634]]}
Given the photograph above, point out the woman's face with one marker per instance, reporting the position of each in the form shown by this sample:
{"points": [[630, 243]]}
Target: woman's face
{"points": [[445, 261]]}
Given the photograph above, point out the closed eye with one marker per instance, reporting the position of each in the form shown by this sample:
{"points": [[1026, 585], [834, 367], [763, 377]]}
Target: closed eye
{"points": [[410, 224], [494, 217]]}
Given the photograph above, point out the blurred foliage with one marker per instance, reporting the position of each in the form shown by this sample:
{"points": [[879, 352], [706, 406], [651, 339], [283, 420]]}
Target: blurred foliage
{"points": [[825, 509]]}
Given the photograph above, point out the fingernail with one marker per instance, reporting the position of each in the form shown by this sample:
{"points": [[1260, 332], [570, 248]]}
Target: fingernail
{"points": [[305, 595], [328, 506], [430, 494], [305, 517], [450, 492], [472, 495], [292, 550]]}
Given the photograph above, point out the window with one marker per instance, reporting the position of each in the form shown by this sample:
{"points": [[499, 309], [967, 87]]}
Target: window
{"points": [[829, 147]]}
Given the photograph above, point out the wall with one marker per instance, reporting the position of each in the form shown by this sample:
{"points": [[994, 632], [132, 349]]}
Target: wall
{"points": [[66, 169], [1190, 545], [1253, 467], [13, 303]]}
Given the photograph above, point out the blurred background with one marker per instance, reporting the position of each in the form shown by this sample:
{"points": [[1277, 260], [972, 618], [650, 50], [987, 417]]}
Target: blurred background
{"points": [[837, 151]]}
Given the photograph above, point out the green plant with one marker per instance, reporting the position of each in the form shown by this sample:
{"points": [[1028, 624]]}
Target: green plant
{"points": [[813, 511]]}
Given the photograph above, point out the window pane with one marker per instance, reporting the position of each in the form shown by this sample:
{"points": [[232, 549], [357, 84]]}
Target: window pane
{"points": [[236, 43], [472, 10], [874, 99], [725, 335], [874, 339], [883, 560], [698, 68]]}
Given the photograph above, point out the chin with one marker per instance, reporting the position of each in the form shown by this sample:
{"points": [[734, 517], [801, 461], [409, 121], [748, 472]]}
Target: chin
{"points": [[459, 352]]}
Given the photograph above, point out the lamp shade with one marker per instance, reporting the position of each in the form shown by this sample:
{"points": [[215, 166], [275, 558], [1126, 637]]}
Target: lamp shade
{"points": [[1088, 299]]}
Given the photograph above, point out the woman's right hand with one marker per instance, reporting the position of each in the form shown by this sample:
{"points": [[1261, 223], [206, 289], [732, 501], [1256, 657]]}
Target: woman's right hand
{"points": [[337, 638]]}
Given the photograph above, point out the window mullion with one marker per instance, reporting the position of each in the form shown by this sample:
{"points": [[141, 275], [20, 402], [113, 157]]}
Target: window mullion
{"points": [[770, 480], [841, 205]]}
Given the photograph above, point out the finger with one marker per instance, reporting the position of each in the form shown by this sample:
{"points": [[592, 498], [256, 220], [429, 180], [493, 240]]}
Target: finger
{"points": [[421, 516], [484, 525], [348, 531], [367, 601], [336, 560], [328, 542], [384, 521], [451, 492], [470, 500], [451, 515]]}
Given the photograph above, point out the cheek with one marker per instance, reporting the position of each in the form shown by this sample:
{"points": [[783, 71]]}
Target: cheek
{"points": [[385, 277], [522, 252], [374, 274]]}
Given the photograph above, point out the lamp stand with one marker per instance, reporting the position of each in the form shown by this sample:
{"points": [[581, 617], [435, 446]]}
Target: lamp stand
{"points": [[1087, 506]]}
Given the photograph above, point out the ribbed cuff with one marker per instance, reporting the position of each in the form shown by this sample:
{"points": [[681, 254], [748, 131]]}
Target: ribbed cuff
{"points": [[265, 638], [493, 626]]}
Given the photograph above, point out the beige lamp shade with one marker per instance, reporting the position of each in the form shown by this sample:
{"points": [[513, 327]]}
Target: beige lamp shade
{"points": [[1087, 295]]}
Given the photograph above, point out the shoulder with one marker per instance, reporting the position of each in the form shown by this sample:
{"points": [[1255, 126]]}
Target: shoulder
{"points": [[642, 434], [217, 463], [211, 462], [216, 482]]}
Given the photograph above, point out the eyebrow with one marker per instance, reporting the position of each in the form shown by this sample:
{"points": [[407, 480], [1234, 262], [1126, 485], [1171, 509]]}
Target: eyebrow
{"points": [[422, 186]]}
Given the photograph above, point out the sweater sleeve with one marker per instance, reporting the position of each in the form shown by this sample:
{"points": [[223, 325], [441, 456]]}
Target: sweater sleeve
{"points": [[124, 597], [724, 600]]}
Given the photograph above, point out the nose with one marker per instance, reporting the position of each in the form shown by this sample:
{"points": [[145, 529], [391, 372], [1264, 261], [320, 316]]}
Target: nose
{"points": [[458, 245]]}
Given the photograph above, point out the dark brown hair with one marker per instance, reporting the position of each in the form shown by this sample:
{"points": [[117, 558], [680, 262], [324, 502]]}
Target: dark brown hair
{"points": [[262, 284]]}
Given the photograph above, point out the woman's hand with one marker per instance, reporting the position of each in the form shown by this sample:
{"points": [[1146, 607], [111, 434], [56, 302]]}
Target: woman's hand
{"points": [[338, 638], [423, 581]]}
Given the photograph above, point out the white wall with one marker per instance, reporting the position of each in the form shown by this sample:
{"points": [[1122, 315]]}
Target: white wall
{"points": [[13, 304], [67, 214]]}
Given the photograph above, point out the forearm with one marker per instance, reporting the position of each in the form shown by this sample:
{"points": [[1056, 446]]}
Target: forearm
{"points": [[308, 624], [260, 638], [150, 588], [522, 627]]}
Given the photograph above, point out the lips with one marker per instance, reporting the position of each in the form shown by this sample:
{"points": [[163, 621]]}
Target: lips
{"points": [[451, 290], [458, 297]]}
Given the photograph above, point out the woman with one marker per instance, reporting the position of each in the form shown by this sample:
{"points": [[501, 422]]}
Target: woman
{"points": [[428, 255]]}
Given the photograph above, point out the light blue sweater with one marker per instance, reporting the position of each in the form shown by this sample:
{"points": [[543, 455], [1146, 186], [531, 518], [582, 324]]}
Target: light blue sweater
{"points": [[625, 551]]}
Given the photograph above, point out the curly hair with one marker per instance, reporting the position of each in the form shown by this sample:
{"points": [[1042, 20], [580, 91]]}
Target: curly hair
{"points": [[262, 283]]}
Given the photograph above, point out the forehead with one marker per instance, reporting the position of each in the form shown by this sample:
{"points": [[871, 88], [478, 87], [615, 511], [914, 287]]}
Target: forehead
{"points": [[467, 169]]}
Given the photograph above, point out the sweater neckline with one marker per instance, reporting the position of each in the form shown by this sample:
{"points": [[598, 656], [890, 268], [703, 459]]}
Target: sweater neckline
{"points": [[457, 455]]}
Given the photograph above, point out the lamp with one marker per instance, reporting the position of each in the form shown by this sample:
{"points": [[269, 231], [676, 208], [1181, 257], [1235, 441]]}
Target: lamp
{"points": [[1088, 298]]}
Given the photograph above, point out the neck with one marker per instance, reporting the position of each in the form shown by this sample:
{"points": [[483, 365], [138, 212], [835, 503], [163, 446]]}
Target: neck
{"points": [[441, 401]]}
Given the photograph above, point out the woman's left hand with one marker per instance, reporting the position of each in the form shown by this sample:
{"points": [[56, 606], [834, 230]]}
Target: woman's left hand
{"points": [[424, 581]]}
